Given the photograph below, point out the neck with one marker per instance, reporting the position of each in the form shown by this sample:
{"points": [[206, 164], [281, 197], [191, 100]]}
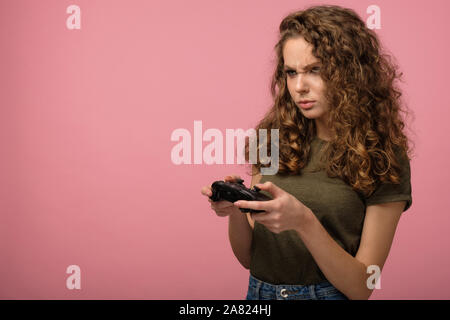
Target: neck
{"points": [[322, 131]]}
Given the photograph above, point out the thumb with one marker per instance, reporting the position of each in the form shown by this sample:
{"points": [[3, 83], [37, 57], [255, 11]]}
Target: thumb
{"points": [[270, 187]]}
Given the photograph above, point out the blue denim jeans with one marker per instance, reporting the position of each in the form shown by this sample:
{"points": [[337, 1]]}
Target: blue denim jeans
{"points": [[259, 290]]}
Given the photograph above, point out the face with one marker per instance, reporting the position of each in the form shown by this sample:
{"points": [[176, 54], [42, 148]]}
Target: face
{"points": [[303, 79]]}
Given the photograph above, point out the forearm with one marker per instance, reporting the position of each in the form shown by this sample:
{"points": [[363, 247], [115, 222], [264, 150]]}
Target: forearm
{"points": [[240, 234], [341, 269]]}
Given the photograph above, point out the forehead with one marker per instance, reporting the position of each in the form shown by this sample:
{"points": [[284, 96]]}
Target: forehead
{"points": [[298, 53]]}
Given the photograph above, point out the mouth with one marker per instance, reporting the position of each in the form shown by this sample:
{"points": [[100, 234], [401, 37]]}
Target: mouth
{"points": [[306, 104]]}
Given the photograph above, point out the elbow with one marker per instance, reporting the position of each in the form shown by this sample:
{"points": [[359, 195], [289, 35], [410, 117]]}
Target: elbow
{"points": [[245, 264], [367, 295], [362, 295], [361, 288], [244, 261], [243, 256], [359, 297]]}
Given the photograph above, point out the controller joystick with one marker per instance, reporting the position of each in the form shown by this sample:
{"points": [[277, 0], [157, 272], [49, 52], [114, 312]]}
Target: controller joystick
{"points": [[234, 191]]}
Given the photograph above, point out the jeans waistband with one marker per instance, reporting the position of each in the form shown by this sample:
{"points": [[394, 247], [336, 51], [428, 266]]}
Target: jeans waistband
{"points": [[313, 291]]}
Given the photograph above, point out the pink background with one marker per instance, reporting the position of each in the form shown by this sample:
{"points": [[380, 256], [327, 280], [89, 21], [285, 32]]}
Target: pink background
{"points": [[86, 118]]}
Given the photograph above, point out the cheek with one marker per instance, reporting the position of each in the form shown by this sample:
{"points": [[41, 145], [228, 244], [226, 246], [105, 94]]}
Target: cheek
{"points": [[318, 84], [290, 86], [319, 89]]}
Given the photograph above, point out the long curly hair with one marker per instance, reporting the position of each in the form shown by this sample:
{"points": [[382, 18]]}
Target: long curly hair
{"points": [[364, 102]]}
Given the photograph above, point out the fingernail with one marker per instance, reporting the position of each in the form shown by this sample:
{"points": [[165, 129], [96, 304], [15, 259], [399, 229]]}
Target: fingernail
{"points": [[237, 204]]}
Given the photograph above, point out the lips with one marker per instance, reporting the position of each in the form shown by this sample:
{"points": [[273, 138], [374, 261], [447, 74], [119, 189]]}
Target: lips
{"points": [[306, 104], [306, 101]]}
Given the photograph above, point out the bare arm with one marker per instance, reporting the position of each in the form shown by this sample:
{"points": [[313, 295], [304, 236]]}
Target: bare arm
{"points": [[240, 231], [349, 274]]}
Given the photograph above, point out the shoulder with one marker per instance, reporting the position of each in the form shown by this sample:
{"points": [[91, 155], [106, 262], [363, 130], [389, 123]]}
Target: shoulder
{"points": [[392, 192]]}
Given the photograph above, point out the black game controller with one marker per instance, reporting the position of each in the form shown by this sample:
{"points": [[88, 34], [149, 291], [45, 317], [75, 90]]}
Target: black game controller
{"points": [[234, 191]]}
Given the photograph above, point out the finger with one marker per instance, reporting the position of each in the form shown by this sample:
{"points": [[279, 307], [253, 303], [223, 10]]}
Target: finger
{"points": [[271, 188], [220, 205], [232, 178], [255, 205], [223, 213], [206, 191], [262, 217]]}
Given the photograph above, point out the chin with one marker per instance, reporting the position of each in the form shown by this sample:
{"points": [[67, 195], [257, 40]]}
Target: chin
{"points": [[311, 114]]}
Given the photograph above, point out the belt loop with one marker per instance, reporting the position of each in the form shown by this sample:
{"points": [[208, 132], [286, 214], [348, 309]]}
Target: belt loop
{"points": [[258, 286], [312, 292], [258, 289]]}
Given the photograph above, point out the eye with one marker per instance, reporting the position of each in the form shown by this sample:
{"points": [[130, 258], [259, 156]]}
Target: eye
{"points": [[288, 72], [314, 70]]}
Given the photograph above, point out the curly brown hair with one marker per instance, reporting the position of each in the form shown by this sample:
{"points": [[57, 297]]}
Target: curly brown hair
{"points": [[364, 102]]}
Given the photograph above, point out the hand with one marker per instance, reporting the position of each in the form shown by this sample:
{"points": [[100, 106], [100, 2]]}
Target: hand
{"points": [[222, 208], [284, 212]]}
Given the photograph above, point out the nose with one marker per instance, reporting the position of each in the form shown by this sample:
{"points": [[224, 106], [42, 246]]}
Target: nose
{"points": [[301, 84]]}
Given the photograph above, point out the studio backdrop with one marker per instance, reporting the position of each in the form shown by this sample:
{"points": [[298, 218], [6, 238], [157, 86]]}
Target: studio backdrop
{"points": [[95, 96]]}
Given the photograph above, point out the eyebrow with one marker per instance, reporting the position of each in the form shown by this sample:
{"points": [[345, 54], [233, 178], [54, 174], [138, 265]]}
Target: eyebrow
{"points": [[306, 67]]}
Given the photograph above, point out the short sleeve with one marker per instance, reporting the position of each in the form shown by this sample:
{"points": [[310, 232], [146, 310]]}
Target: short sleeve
{"points": [[388, 192]]}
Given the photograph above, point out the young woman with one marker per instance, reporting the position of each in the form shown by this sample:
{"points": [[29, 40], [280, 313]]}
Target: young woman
{"points": [[344, 174]]}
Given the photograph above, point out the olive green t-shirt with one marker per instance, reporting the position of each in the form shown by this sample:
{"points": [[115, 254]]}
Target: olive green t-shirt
{"points": [[283, 258]]}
